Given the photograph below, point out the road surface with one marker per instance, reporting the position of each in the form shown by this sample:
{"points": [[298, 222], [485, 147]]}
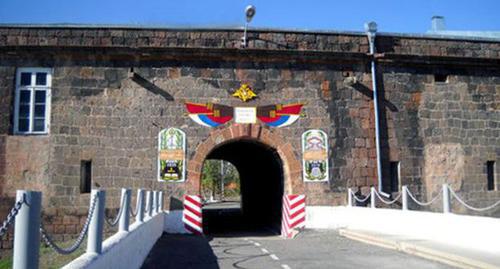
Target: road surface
{"points": [[310, 249]]}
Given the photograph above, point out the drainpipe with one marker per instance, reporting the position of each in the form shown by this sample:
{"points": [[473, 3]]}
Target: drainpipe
{"points": [[371, 30]]}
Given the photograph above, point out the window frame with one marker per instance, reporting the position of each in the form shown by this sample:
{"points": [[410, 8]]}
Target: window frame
{"points": [[32, 88]]}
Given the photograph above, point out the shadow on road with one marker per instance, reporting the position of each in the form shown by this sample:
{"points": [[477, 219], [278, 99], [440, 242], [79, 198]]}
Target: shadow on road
{"points": [[181, 251], [230, 221]]}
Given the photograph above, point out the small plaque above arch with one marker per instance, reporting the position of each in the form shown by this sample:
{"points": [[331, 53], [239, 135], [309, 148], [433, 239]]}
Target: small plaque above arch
{"points": [[315, 156], [171, 155]]}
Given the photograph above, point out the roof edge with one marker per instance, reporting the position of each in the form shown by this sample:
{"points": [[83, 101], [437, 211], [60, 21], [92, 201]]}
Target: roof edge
{"points": [[251, 29]]}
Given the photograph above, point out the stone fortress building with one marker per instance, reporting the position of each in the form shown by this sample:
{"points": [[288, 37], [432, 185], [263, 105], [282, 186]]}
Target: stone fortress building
{"points": [[83, 106]]}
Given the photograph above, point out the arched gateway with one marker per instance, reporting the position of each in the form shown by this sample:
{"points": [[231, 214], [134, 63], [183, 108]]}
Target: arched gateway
{"points": [[267, 166], [292, 168]]}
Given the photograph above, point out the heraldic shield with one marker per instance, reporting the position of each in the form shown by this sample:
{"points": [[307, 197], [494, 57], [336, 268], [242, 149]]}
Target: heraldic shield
{"points": [[171, 155], [315, 156]]}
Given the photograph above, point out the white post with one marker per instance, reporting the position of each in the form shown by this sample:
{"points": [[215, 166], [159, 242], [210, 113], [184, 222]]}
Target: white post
{"points": [[349, 197], [94, 243], [27, 230], [140, 206], [372, 197], [160, 209], [149, 203], [155, 202], [125, 216], [446, 199], [404, 195]]}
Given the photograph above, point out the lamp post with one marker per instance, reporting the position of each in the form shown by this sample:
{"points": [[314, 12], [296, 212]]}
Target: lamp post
{"points": [[249, 13]]}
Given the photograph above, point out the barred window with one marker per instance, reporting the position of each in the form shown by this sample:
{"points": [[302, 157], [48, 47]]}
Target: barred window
{"points": [[32, 101]]}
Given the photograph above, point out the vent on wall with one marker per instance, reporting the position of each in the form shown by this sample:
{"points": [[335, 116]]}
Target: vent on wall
{"points": [[85, 176]]}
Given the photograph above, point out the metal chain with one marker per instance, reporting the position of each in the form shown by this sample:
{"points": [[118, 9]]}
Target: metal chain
{"points": [[11, 216], [360, 200], [387, 202], [65, 251], [120, 212], [454, 194], [132, 212], [423, 203]]}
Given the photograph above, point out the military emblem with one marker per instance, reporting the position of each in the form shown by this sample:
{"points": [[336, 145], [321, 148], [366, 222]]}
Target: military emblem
{"points": [[315, 155], [171, 155], [244, 93], [214, 115]]}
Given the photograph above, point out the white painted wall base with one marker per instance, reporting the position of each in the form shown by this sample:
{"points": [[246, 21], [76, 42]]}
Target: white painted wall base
{"points": [[124, 250], [473, 232], [174, 223]]}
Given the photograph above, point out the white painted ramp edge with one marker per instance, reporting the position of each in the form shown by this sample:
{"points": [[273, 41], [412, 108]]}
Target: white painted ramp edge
{"points": [[453, 256], [478, 233], [124, 250]]}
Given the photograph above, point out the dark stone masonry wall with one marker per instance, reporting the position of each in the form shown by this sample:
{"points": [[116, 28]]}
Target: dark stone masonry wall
{"points": [[439, 131]]}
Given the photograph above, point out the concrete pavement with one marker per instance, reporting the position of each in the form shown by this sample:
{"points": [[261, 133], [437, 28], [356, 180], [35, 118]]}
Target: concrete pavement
{"points": [[310, 249]]}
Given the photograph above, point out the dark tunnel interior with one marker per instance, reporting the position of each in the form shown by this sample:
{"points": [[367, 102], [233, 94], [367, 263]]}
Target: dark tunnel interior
{"points": [[261, 178]]}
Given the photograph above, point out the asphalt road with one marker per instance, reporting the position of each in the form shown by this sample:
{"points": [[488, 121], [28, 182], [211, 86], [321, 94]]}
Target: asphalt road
{"points": [[310, 249]]}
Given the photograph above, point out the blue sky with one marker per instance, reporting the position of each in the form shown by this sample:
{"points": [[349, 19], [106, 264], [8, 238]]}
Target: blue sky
{"points": [[391, 15]]}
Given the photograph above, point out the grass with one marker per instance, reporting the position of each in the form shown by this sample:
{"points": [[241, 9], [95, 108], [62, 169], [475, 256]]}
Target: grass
{"points": [[49, 259], [6, 263]]}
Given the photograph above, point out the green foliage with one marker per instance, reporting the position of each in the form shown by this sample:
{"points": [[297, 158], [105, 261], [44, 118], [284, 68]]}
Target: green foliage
{"points": [[211, 179], [6, 263], [49, 259]]}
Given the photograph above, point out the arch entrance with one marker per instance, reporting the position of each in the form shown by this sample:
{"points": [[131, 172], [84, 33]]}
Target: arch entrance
{"points": [[267, 167]]}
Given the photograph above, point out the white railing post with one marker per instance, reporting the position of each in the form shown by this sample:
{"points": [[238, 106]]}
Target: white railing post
{"points": [[94, 243], [404, 196], [140, 206], [149, 203], [372, 197], [161, 202], [125, 216], [155, 202], [27, 230], [349, 197], [446, 199]]}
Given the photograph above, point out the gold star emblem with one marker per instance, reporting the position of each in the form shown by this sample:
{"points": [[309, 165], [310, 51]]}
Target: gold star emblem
{"points": [[245, 93]]}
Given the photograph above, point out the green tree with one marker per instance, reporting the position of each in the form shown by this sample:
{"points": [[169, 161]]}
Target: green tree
{"points": [[212, 174]]}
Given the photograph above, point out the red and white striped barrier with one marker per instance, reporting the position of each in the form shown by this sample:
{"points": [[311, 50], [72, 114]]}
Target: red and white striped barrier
{"points": [[294, 214], [192, 216]]}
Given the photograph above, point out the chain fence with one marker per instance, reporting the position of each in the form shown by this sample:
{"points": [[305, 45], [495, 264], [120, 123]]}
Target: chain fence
{"points": [[65, 251], [478, 209], [12, 216], [132, 212], [428, 203], [359, 199], [117, 218], [385, 201]]}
